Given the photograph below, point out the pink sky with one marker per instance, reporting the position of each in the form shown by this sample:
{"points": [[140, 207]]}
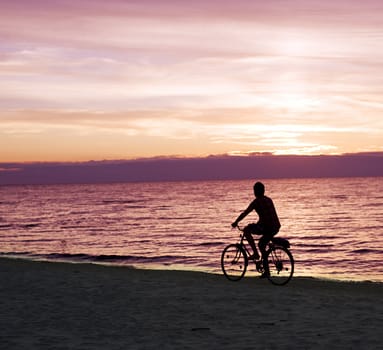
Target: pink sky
{"points": [[83, 80]]}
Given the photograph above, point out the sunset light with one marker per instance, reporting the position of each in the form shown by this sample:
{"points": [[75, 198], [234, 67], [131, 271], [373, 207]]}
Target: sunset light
{"points": [[98, 80]]}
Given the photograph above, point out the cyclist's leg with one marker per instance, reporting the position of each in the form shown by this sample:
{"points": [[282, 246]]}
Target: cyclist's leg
{"points": [[262, 243], [265, 238], [248, 232]]}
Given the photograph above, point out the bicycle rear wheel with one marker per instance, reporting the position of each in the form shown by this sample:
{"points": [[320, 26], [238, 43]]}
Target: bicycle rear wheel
{"points": [[281, 265], [234, 262]]}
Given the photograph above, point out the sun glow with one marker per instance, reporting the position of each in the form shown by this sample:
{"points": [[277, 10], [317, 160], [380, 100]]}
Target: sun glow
{"points": [[294, 102], [293, 44], [132, 80], [291, 92]]}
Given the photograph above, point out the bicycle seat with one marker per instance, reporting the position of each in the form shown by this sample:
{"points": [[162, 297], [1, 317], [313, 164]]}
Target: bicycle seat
{"points": [[283, 242]]}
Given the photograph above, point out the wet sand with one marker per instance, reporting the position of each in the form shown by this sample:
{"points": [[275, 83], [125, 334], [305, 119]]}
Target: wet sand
{"points": [[82, 306]]}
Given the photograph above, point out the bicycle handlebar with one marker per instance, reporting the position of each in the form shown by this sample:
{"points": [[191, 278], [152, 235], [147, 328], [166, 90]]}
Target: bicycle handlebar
{"points": [[239, 228]]}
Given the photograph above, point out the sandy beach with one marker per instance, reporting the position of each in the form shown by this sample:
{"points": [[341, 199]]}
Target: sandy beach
{"points": [[82, 306]]}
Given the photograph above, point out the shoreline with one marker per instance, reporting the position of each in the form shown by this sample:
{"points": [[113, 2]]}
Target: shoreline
{"points": [[180, 268], [48, 305]]}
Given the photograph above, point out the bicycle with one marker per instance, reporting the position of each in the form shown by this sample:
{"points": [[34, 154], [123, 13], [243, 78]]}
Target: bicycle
{"points": [[280, 261]]}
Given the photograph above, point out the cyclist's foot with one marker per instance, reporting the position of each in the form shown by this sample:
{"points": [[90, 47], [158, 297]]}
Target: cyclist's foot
{"points": [[265, 275], [254, 257]]}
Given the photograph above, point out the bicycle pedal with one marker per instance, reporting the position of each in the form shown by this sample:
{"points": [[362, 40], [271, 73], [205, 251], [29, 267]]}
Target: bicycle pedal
{"points": [[259, 266]]}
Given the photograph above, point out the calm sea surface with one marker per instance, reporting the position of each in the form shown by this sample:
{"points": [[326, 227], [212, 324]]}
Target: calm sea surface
{"points": [[335, 226]]}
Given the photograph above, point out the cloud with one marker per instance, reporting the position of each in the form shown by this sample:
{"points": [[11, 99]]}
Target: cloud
{"points": [[231, 75], [10, 169], [258, 165]]}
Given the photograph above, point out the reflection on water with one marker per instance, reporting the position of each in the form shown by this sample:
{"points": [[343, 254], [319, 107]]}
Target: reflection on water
{"points": [[335, 225]]}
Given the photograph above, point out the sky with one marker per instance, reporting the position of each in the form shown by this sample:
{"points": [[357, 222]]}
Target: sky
{"points": [[93, 79]]}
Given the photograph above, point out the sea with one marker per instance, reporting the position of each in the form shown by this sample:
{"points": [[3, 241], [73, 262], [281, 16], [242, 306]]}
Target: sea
{"points": [[334, 225]]}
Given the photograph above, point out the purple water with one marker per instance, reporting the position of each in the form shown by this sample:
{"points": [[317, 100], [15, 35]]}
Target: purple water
{"points": [[335, 226]]}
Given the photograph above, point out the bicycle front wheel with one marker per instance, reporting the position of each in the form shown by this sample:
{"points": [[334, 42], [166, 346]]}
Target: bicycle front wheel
{"points": [[280, 265], [234, 262]]}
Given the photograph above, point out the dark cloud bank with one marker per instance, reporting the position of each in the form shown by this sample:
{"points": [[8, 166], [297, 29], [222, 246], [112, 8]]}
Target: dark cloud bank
{"points": [[179, 169]]}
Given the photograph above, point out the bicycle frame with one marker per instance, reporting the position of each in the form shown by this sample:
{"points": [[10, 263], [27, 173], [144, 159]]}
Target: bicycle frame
{"points": [[243, 244], [269, 251], [277, 264]]}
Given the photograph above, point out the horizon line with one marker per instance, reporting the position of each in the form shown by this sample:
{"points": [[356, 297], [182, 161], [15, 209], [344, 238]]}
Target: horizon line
{"points": [[182, 157]]}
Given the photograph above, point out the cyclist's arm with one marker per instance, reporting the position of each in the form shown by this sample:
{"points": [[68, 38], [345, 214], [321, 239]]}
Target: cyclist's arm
{"points": [[246, 212]]}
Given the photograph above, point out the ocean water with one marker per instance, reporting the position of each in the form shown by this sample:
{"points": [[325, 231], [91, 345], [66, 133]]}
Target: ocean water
{"points": [[335, 226]]}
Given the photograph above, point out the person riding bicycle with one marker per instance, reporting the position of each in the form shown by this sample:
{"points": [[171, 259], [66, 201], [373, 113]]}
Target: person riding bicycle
{"points": [[267, 226]]}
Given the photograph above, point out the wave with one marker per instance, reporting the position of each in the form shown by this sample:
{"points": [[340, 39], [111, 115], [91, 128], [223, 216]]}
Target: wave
{"points": [[103, 258], [122, 201], [373, 205], [318, 237], [7, 203], [314, 250], [211, 244], [367, 251], [30, 225], [19, 226], [308, 245], [5, 226]]}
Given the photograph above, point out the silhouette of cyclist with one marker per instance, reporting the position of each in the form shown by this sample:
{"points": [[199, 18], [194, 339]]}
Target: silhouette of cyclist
{"points": [[267, 226]]}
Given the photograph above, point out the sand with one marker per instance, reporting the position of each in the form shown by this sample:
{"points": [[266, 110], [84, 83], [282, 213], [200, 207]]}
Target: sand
{"points": [[82, 306]]}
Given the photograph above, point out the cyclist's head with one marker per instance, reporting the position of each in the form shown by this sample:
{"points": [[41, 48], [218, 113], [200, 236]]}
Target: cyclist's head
{"points": [[259, 189]]}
